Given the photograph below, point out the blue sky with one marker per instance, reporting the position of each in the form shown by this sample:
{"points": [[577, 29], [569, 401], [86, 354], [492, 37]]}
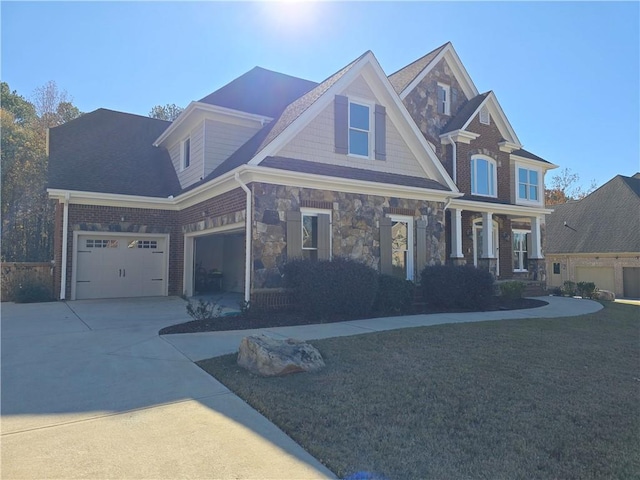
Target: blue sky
{"points": [[566, 74]]}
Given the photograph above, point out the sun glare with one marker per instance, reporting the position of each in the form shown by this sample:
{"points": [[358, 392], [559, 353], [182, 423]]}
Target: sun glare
{"points": [[292, 15]]}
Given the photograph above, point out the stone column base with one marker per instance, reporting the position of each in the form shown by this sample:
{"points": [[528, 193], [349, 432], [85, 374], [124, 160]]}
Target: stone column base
{"points": [[458, 262], [490, 264], [537, 269]]}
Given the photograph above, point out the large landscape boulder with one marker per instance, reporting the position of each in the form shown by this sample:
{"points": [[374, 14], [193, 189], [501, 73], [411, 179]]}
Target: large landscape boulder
{"points": [[605, 295], [268, 356]]}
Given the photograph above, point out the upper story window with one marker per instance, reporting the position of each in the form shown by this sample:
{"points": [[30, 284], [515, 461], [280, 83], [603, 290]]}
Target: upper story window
{"points": [[186, 153], [359, 129], [528, 185], [444, 102], [483, 176]]}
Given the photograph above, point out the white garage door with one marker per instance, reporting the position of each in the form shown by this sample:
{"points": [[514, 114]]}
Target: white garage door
{"points": [[112, 266], [601, 276]]}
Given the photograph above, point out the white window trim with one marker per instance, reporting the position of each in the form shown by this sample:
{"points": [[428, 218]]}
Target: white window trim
{"points": [[525, 232], [371, 133], [410, 246], [474, 176], [183, 153], [526, 201], [314, 212], [447, 100]]}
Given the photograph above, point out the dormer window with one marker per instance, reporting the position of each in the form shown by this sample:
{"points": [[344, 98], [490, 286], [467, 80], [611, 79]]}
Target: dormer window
{"points": [[186, 153], [483, 176], [444, 103], [359, 129]]}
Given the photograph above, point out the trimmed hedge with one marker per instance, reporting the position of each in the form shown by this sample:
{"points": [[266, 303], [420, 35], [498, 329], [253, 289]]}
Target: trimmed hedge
{"points": [[513, 289], [330, 287], [395, 295], [463, 287]]}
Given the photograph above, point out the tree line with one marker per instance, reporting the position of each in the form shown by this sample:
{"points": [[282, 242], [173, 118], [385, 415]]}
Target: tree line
{"points": [[28, 214]]}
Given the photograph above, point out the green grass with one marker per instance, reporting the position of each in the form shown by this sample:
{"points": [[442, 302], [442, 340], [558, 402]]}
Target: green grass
{"points": [[551, 398]]}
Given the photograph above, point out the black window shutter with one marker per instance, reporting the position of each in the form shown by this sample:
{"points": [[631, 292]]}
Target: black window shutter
{"points": [[381, 133], [294, 235], [324, 237], [341, 113], [385, 246]]}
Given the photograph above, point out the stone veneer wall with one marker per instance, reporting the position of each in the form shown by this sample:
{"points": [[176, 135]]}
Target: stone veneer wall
{"points": [[421, 103], [355, 226]]}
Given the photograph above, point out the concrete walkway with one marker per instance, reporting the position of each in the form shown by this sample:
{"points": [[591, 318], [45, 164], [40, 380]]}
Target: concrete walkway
{"points": [[89, 390]]}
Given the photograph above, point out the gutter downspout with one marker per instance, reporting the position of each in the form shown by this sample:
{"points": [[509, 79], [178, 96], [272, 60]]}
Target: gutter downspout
{"points": [[65, 240], [247, 241], [454, 164]]}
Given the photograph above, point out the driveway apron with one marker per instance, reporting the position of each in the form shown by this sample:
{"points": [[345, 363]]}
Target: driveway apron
{"points": [[89, 390]]}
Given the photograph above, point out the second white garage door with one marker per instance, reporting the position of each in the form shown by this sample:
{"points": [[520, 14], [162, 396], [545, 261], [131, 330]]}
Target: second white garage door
{"points": [[601, 276], [113, 266]]}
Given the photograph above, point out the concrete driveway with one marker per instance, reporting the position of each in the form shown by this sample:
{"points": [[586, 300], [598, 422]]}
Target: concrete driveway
{"points": [[89, 390]]}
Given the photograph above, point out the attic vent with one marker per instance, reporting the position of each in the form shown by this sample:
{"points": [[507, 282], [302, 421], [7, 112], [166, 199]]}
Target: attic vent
{"points": [[484, 116]]}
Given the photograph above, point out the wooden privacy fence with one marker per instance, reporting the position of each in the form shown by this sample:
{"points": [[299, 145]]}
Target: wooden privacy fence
{"points": [[16, 274]]}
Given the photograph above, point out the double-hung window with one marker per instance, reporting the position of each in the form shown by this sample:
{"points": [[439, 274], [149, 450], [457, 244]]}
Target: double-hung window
{"points": [[444, 103], [402, 247], [528, 185], [483, 176], [359, 129], [309, 234]]}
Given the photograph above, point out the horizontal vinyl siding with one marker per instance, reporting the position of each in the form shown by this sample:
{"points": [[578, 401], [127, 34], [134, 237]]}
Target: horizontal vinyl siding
{"points": [[195, 171], [221, 140], [316, 142]]}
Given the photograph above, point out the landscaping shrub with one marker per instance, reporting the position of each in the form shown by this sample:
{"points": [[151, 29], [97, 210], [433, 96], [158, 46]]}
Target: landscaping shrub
{"points": [[395, 295], [451, 287], [557, 291], [569, 288], [329, 287], [203, 310], [512, 290], [586, 289], [32, 292]]}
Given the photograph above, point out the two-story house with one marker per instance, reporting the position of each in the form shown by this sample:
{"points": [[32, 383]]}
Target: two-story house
{"points": [[271, 167]]}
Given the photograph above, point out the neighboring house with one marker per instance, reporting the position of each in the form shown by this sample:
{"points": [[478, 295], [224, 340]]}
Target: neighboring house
{"points": [[597, 239], [272, 167]]}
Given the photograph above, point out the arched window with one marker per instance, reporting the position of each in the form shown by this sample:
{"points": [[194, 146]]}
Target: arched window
{"points": [[483, 176]]}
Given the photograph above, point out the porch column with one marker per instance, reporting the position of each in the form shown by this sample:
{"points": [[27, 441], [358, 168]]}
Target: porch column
{"points": [[536, 244], [487, 235], [456, 233]]}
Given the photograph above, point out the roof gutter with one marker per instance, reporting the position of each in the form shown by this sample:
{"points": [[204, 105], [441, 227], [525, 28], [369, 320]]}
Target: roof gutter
{"points": [[247, 238]]}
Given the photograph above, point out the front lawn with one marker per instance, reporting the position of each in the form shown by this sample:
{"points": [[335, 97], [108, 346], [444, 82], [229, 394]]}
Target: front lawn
{"points": [[551, 398]]}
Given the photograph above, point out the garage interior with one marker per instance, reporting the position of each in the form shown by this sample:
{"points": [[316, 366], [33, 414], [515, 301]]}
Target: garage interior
{"points": [[219, 264]]}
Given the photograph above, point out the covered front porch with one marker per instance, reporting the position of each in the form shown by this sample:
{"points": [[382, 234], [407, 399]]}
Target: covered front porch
{"points": [[501, 238]]}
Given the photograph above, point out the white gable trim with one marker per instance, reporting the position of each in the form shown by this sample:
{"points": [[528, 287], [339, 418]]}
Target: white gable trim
{"points": [[461, 74], [189, 118], [530, 162], [375, 77], [500, 119]]}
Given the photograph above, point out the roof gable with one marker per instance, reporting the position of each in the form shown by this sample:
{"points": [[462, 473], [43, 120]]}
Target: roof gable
{"points": [[416, 71], [472, 108], [586, 226], [111, 152], [306, 108]]}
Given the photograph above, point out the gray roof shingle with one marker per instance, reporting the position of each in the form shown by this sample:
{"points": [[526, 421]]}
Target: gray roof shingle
{"points": [[260, 91], [111, 152], [606, 221], [403, 77], [467, 110], [325, 169]]}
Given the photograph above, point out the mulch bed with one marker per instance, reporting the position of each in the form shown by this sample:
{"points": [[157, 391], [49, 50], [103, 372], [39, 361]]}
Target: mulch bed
{"points": [[269, 319]]}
